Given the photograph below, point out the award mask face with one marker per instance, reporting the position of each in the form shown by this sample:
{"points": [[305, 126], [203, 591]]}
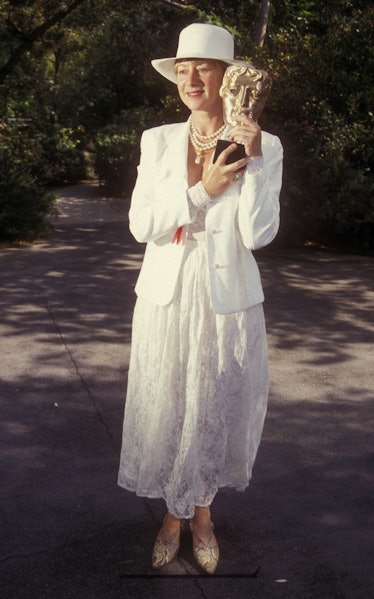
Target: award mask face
{"points": [[244, 90]]}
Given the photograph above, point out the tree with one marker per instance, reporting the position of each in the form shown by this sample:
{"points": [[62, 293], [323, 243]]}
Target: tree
{"points": [[28, 37], [264, 16], [87, 83]]}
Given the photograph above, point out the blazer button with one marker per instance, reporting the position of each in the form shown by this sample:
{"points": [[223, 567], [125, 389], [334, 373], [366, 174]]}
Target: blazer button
{"points": [[214, 231], [216, 266]]}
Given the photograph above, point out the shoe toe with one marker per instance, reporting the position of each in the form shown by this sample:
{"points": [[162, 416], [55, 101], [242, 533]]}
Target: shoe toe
{"points": [[206, 554], [163, 554]]}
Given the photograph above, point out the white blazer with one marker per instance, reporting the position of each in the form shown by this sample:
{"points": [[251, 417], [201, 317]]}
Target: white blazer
{"points": [[243, 218]]}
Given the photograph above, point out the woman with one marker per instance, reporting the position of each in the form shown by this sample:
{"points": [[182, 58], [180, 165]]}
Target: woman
{"points": [[198, 382]]}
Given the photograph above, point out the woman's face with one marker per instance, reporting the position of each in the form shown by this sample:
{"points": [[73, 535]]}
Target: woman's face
{"points": [[199, 82]]}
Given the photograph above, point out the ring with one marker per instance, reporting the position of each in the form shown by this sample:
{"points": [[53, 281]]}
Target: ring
{"points": [[236, 177]]}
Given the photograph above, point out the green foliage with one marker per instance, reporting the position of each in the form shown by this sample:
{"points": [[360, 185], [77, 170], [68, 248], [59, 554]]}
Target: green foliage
{"points": [[324, 119], [117, 149], [24, 204], [63, 159], [88, 83]]}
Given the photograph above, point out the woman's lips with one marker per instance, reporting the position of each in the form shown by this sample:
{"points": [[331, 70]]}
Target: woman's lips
{"points": [[195, 94]]}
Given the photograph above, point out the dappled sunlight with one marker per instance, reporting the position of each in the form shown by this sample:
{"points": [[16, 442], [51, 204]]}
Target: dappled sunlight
{"points": [[319, 303], [66, 306]]}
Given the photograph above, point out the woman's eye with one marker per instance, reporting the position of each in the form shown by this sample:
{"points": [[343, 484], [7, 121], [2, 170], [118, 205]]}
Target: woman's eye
{"points": [[234, 92]]}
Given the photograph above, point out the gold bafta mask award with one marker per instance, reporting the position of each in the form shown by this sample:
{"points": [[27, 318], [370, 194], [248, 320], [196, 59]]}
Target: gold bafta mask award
{"points": [[244, 90]]}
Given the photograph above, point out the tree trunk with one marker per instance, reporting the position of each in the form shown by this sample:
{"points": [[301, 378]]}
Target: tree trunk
{"points": [[264, 16]]}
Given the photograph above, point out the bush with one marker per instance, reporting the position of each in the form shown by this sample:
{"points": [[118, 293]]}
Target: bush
{"points": [[330, 195], [24, 208], [63, 160], [325, 122], [117, 149], [24, 204]]}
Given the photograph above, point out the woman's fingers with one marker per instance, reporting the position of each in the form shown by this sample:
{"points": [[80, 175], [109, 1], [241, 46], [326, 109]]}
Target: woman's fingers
{"points": [[248, 133], [221, 175]]}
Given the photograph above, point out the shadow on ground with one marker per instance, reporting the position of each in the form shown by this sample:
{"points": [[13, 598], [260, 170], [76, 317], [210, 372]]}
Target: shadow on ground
{"points": [[68, 531]]}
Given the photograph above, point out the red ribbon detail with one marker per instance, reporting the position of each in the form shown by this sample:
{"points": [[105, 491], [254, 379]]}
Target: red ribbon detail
{"points": [[177, 235]]}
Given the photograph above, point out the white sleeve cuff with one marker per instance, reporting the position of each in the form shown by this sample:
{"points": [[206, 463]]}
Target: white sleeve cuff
{"points": [[198, 196], [254, 164]]}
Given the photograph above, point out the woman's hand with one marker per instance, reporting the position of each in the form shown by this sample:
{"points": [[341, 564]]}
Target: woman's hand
{"points": [[220, 176], [248, 133]]}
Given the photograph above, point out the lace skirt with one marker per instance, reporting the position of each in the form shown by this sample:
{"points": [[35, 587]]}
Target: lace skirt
{"points": [[197, 395]]}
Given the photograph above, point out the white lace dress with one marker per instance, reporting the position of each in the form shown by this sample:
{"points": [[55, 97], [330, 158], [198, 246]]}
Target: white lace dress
{"points": [[197, 392]]}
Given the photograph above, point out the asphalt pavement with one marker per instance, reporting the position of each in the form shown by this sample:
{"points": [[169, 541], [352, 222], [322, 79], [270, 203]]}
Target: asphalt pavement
{"points": [[304, 527]]}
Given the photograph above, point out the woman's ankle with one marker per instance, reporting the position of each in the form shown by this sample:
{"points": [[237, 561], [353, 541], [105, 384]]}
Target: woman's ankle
{"points": [[201, 516], [172, 519]]}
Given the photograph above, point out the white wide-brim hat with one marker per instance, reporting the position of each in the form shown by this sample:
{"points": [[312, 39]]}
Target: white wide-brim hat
{"points": [[199, 40]]}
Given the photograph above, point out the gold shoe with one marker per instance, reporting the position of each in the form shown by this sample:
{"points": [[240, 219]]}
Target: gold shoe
{"points": [[164, 551], [206, 555]]}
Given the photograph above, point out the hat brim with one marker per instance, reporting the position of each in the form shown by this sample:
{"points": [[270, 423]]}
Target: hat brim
{"points": [[165, 66]]}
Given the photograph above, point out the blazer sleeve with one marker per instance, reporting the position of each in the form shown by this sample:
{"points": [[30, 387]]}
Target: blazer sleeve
{"points": [[258, 211], [159, 203]]}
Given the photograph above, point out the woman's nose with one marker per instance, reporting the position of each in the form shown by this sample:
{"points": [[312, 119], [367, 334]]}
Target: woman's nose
{"points": [[193, 77]]}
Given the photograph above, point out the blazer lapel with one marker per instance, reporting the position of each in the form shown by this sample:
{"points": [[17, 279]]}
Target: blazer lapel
{"points": [[177, 150]]}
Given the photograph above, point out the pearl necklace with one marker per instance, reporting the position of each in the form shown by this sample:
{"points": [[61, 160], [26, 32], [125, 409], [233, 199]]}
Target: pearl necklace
{"points": [[203, 143]]}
